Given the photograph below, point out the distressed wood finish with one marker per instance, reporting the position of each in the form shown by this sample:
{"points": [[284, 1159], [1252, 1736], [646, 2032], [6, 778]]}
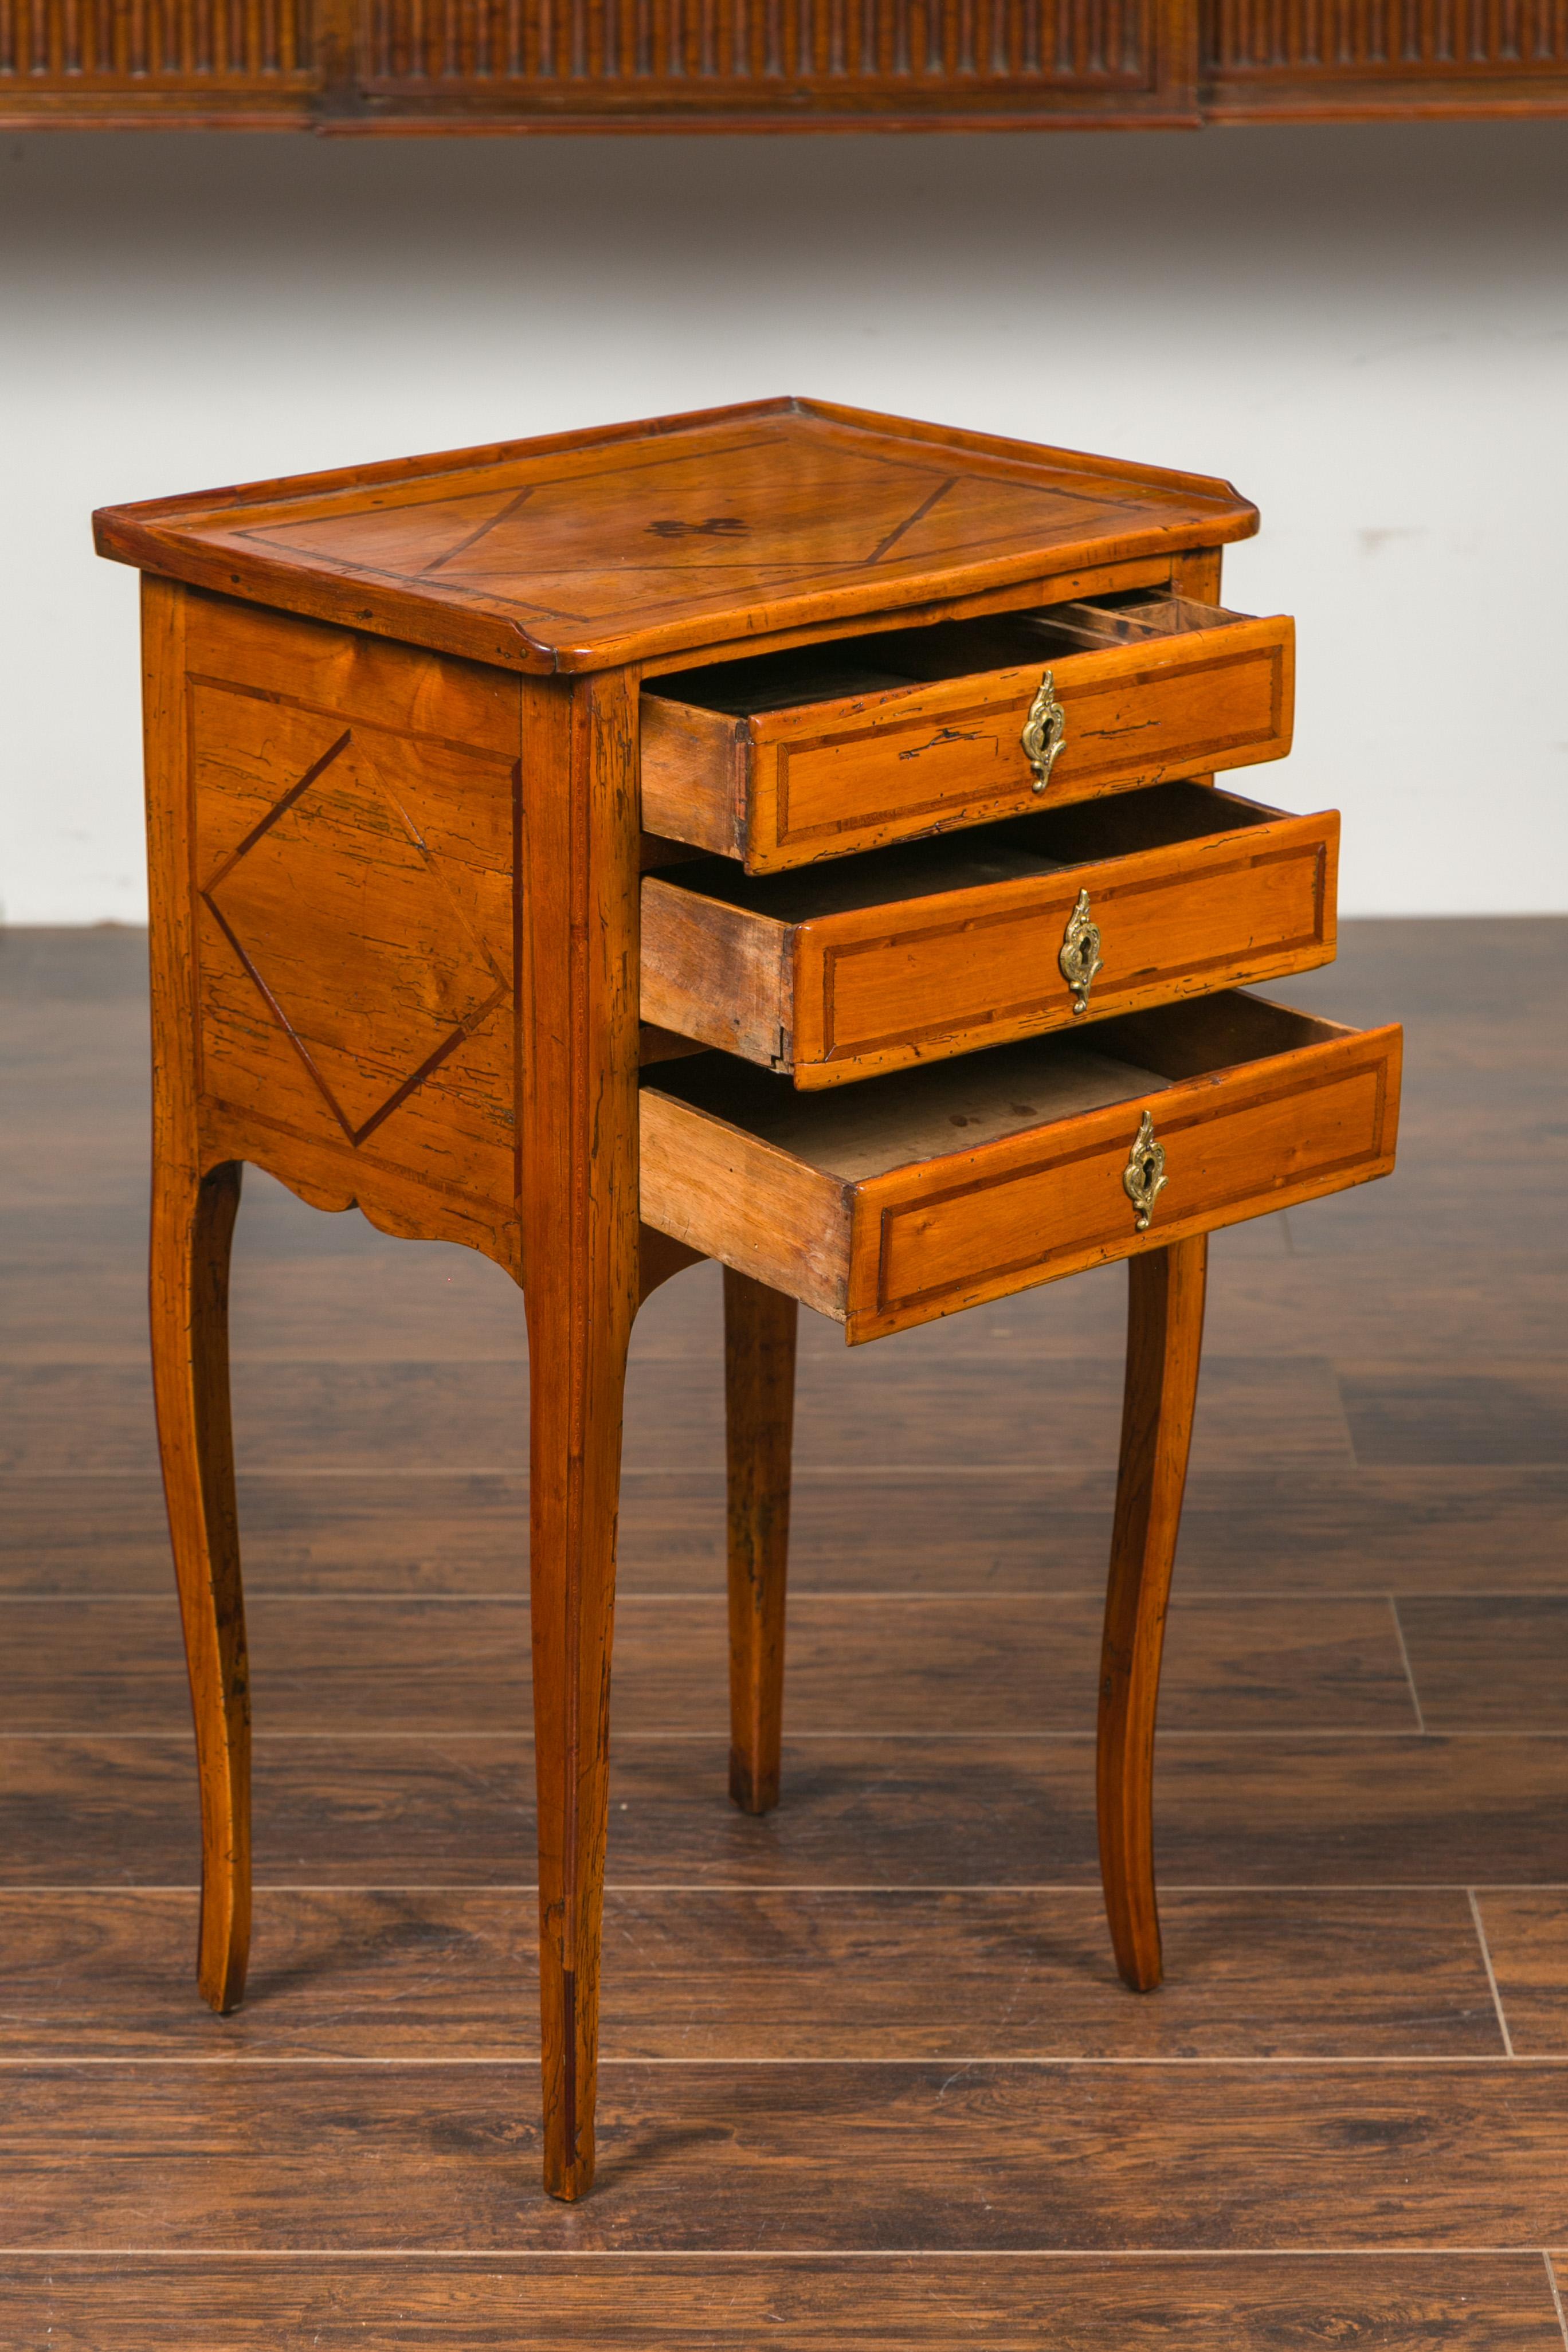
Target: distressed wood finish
{"points": [[1164, 1343], [758, 1398], [825, 775], [1048, 64], [899, 959], [863, 1209]]}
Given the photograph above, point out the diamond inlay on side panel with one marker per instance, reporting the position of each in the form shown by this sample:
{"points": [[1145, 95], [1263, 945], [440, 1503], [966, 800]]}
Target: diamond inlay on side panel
{"points": [[338, 910]]}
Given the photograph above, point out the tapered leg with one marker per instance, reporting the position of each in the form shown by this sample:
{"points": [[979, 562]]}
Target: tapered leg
{"points": [[574, 1483], [1164, 1341], [582, 1277], [193, 1224], [758, 1403]]}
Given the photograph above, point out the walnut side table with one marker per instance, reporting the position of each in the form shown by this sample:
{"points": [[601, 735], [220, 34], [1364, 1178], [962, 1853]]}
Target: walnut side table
{"points": [[781, 834]]}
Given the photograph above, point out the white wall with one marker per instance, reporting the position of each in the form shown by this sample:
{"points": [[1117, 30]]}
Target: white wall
{"points": [[1366, 328]]}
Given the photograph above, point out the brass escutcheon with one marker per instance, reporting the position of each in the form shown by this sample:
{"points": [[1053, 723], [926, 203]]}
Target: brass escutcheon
{"points": [[1045, 731], [1079, 959], [1144, 1178]]}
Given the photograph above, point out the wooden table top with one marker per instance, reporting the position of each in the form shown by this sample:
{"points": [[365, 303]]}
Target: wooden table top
{"points": [[630, 542]]}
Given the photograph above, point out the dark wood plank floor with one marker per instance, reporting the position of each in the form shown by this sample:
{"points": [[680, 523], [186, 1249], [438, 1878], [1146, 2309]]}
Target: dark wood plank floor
{"points": [[869, 2079]]}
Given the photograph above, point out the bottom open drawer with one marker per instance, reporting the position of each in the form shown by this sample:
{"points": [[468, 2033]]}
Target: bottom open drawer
{"points": [[908, 1197]]}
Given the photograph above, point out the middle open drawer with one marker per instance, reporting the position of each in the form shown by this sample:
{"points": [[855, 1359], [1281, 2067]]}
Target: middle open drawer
{"points": [[936, 946]]}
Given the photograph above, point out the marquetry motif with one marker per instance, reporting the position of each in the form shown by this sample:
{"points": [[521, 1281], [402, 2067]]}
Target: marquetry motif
{"points": [[563, 546], [355, 941], [358, 999], [554, 556]]}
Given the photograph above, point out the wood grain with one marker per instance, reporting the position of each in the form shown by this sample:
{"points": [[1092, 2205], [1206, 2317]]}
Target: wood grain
{"points": [[1483, 1661], [694, 1977], [1317, 1524], [1526, 1933], [582, 1271], [759, 1390], [308, 1421], [826, 776], [858, 1209], [1165, 1344], [948, 953], [895, 1666], [196, 1195], [1479, 2302], [898, 2157], [418, 1809], [580, 551]]}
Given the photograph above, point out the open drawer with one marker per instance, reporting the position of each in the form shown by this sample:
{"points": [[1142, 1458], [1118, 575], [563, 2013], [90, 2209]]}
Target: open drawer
{"points": [[939, 946], [914, 1195], [823, 750]]}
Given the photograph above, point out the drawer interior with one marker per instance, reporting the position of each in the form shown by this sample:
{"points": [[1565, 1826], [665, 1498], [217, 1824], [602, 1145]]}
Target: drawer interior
{"points": [[1013, 850], [874, 663], [945, 1106]]}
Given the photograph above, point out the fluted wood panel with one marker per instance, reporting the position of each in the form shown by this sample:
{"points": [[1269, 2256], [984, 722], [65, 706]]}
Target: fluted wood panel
{"points": [[121, 60], [458, 65], [778, 57], [1375, 56]]}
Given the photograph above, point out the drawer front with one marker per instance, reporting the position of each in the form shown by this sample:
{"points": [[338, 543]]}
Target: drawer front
{"points": [[788, 787], [982, 966], [944, 1235], [854, 1203], [927, 972], [954, 754]]}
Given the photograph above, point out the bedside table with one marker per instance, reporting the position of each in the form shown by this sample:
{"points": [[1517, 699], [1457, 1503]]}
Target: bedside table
{"points": [[781, 834]]}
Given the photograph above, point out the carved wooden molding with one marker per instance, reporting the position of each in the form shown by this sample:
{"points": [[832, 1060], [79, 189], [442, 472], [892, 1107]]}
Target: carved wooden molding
{"points": [[563, 65]]}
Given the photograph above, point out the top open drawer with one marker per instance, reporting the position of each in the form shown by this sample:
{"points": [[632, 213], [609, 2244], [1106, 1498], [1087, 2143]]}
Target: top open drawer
{"points": [[829, 749]]}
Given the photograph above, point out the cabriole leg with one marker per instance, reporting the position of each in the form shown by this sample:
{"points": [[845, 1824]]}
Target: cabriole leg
{"points": [[759, 1402], [1164, 1341], [192, 1224]]}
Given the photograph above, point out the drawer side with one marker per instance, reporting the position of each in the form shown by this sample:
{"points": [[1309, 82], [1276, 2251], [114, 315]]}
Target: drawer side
{"points": [[715, 972], [728, 1195]]}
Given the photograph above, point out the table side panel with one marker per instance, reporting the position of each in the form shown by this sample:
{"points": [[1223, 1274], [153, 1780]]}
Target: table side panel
{"points": [[355, 816]]}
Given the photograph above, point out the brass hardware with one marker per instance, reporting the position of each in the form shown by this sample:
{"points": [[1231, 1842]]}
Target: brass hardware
{"points": [[1079, 958], [1144, 1178], [1045, 731]]}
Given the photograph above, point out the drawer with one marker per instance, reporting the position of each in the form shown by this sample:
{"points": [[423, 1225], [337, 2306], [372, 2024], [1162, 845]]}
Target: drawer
{"points": [[826, 750], [888, 1204], [939, 946]]}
